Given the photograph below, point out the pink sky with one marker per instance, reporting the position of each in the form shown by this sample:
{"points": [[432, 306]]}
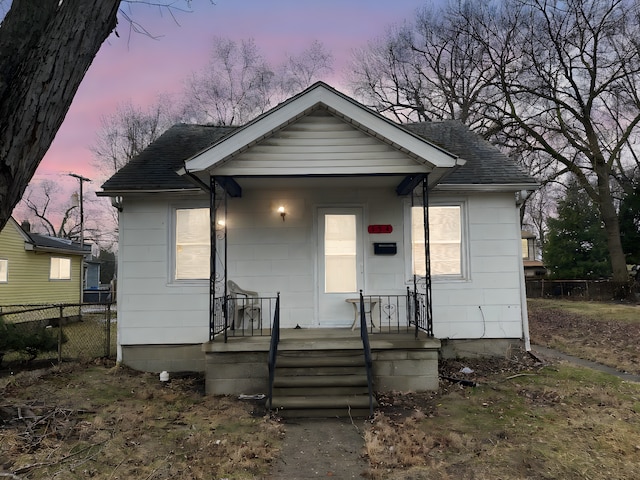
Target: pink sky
{"points": [[139, 68]]}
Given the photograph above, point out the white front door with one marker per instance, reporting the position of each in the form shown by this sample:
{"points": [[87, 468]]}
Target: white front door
{"points": [[340, 264]]}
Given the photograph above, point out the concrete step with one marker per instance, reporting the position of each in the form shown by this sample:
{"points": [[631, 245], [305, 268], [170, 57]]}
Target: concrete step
{"points": [[305, 391], [320, 381], [307, 402], [323, 370], [326, 413], [323, 360]]}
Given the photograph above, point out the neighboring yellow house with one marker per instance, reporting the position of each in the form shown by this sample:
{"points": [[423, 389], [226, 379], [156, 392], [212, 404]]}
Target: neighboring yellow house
{"points": [[38, 269]]}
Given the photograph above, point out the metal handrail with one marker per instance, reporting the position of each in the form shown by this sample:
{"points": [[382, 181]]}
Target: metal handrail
{"points": [[273, 350], [364, 335]]}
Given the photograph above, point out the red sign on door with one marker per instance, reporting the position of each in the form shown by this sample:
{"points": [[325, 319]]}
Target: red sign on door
{"points": [[380, 229]]}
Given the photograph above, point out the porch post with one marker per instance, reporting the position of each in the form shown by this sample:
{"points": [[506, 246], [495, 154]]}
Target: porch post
{"points": [[218, 308], [212, 257], [427, 257]]}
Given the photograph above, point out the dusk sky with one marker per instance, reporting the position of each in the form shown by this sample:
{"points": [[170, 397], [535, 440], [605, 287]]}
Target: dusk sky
{"points": [[139, 68]]}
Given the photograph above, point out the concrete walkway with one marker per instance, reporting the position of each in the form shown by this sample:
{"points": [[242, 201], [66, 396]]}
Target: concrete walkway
{"points": [[545, 353]]}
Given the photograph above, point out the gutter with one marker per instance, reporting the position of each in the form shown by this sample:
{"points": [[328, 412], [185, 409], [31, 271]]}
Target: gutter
{"points": [[486, 187]]}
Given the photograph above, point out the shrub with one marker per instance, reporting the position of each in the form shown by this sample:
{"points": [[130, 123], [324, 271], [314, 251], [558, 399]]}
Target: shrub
{"points": [[30, 338]]}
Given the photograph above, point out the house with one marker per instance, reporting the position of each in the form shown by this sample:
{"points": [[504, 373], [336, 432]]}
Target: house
{"points": [[307, 205], [38, 269], [532, 267]]}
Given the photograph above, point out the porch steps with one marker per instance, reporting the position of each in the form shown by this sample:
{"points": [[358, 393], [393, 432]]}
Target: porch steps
{"points": [[321, 383]]}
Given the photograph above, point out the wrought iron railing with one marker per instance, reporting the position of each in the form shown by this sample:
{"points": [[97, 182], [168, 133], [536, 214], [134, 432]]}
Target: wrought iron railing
{"points": [[237, 316], [364, 335], [397, 313], [420, 313], [240, 316], [273, 349]]}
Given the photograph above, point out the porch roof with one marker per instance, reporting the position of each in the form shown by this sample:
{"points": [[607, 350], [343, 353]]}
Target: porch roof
{"points": [[321, 132], [207, 149]]}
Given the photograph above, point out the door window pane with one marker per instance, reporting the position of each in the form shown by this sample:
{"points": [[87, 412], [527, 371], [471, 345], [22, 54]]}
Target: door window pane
{"points": [[340, 254]]}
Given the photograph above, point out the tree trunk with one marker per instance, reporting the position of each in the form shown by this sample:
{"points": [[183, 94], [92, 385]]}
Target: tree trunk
{"points": [[611, 225], [46, 48]]}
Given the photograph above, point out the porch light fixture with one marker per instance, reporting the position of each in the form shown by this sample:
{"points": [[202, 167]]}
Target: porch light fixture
{"points": [[282, 212]]}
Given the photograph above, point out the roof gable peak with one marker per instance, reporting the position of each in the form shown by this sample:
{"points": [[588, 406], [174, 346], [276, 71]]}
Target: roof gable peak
{"points": [[319, 96]]}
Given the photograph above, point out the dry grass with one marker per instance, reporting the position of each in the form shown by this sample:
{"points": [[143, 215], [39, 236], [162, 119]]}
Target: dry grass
{"points": [[523, 420], [111, 423], [552, 422], [601, 332]]}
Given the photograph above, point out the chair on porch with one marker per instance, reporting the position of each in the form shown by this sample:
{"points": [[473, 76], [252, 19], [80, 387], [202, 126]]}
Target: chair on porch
{"points": [[246, 306]]}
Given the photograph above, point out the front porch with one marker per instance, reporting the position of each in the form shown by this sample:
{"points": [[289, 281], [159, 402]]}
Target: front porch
{"points": [[400, 362]]}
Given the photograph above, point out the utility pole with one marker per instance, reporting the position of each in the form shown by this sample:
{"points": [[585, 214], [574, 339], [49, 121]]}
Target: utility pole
{"points": [[81, 179]]}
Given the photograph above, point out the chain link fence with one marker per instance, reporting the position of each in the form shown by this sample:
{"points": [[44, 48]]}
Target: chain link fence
{"points": [[594, 290], [60, 332]]}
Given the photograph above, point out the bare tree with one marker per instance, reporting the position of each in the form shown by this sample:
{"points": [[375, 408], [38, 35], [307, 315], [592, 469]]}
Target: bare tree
{"points": [[238, 83], [301, 71], [234, 87], [128, 131], [557, 82], [46, 48], [431, 69], [42, 204], [49, 212], [569, 72]]}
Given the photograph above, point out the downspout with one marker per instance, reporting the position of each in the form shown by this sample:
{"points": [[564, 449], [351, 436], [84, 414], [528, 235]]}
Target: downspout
{"points": [[524, 312]]}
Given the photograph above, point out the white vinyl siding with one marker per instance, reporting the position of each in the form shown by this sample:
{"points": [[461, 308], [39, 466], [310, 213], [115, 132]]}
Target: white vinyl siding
{"points": [[192, 250], [320, 143], [60, 268]]}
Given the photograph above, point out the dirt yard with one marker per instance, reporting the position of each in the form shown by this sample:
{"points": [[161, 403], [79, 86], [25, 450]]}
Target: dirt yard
{"points": [[509, 418], [601, 332]]}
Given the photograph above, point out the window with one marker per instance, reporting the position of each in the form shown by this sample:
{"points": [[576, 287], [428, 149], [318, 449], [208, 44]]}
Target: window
{"points": [[445, 240], [60, 269], [4, 270], [525, 249], [192, 243], [340, 254]]}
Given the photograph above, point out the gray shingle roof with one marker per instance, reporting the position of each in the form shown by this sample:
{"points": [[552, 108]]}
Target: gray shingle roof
{"points": [[155, 168], [486, 164], [46, 242]]}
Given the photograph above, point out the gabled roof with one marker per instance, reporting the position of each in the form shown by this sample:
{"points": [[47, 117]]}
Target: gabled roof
{"points": [[45, 243], [356, 116], [155, 168], [486, 165], [480, 165]]}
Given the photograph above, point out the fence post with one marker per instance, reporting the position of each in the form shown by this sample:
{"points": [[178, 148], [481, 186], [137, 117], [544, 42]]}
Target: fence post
{"points": [[60, 336], [108, 336]]}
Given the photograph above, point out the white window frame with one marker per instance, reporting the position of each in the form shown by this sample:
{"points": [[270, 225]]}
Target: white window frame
{"points": [[4, 270], [175, 245], [464, 241], [56, 271]]}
